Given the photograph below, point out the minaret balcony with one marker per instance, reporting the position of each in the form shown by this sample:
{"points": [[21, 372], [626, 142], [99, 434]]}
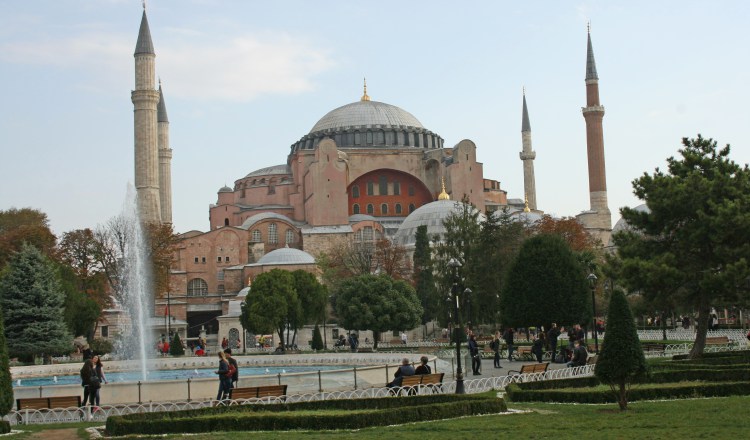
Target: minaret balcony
{"points": [[593, 109], [527, 155]]}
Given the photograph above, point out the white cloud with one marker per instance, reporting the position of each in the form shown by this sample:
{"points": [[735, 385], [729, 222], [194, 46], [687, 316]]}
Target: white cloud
{"points": [[239, 68]]}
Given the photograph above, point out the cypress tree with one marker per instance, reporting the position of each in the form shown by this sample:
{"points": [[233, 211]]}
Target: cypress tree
{"points": [[176, 348], [6, 386], [621, 358], [33, 304], [317, 339]]}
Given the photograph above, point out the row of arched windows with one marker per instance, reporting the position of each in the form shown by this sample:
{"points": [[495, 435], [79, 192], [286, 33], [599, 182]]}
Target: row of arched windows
{"points": [[370, 209], [382, 188], [199, 287], [273, 236]]}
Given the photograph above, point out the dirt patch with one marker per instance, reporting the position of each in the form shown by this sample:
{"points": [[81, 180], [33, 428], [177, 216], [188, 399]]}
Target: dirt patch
{"points": [[57, 434]]}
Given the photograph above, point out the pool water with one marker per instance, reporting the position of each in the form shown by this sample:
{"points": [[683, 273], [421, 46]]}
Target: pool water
{"points": [[157, 375]]}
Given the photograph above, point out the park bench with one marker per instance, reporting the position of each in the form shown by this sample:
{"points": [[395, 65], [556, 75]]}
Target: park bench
{"points": [[258, 392], [48, 402], [530, 369], [651, 347], [432, 382], [592, 360], [523, 352], [718, 340]]}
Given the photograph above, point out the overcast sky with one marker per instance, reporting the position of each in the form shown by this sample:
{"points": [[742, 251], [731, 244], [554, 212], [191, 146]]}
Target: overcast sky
{"points": [[243, 80]]}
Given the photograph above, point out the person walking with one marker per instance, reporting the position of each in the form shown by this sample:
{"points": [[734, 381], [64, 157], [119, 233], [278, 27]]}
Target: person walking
{"points": [[233, 365], [495, 345], [508, 337], [87, 373], [476, 360], [225, 378], [99, 371], [552, 336], [537, 347]]}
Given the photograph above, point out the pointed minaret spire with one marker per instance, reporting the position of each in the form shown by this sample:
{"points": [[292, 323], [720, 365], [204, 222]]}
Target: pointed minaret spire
{"points": [[364, 95], [527, 155], [165, 159], [144, 43], [161, 109], [590, 63]]}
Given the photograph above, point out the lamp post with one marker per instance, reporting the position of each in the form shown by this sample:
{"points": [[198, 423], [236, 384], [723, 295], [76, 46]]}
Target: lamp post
{"points": [[592, 282], [455, 265]]}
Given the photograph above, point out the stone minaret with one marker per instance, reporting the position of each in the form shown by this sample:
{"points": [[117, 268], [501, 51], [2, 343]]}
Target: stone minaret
{"points": [[527, 156], [165, 160], [145, 98], [599, 218]]}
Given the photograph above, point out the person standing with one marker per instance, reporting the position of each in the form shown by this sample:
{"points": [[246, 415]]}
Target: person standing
{"points": [[495, 346], [552, 336], [476, 360], [403, 338], [537, 347], [225, 379], [87, 372], [233, 366], [508, 337], [99, 371]]}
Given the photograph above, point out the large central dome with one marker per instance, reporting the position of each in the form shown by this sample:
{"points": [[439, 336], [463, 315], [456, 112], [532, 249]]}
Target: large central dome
{"points": [[366, 113]]}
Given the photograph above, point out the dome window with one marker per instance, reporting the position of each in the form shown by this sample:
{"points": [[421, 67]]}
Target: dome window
{"points": [[273, 236], [289, 236], [256, 238]]}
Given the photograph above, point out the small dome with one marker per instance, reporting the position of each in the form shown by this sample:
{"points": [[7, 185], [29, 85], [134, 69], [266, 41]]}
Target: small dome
{"points": [[432, 214], [286, 256], [622, 225], [225, 189], [363, 113], [273, 170]]}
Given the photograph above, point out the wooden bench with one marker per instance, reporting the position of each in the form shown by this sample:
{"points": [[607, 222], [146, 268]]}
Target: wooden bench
{"points": [[523, 352], [48, 402], [653, 347], [258, 392], [433, 382], [718, 340], [592, 360], [530, 368]]}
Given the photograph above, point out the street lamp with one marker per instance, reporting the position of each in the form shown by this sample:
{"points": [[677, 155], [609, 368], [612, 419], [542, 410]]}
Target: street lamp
{"points": [[592, 283], [455, 265]]}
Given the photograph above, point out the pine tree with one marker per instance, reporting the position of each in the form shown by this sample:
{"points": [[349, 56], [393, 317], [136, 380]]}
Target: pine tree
{"points": [[424, 281], [317, 339], [32, 302], [6, 386], [175, 347], [621, 358]]}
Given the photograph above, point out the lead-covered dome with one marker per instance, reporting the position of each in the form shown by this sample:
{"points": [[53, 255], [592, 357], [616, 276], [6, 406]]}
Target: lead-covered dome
{"points": [[366, 113], [432, 215], [284, 256]]}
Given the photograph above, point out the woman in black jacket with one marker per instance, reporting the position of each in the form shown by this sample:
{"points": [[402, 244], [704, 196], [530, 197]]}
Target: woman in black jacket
{"points": [[87, 372]]}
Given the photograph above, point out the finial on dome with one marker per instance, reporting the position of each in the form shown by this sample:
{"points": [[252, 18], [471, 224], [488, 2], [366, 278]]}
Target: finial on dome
{"points": [[443, 195], [364, 96], [144, 4], [588, 26], [526, 203]]}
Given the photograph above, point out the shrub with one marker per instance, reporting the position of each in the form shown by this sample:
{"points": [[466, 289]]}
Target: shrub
{"points": [[4, 426], [621, 359], [101, 346], [317, 339], [176, 348]]}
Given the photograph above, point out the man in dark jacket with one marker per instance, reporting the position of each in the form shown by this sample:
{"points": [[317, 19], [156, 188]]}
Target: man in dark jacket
{"points": [[552, 336], [476, 359], [404, 370], [580, 355], [233, 362], [508, 336]]}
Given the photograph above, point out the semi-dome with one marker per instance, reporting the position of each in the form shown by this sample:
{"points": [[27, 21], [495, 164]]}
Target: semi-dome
{"points": [[432, 215], [623, 225], [286, 256], [366, 113]]}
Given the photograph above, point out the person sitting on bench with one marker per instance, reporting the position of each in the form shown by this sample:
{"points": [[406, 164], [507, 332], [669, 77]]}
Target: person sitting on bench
{"points": [[404, 370], [423, 368], [580, 355]]}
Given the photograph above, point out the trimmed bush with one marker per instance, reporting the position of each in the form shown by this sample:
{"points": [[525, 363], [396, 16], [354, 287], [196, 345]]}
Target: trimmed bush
{"points": [[317, 339], [175, 347], [319, 415], [4, 426], [101, 346]]}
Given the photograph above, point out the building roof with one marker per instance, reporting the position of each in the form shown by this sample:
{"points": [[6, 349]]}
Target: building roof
{"points": [[432, 215], [285, 256], [144, 44], [267, 171], [247, 224], [364, 113]]}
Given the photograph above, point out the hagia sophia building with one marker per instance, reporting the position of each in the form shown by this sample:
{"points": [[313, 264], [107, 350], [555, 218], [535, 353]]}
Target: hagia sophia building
{"points": [[363, 171]]}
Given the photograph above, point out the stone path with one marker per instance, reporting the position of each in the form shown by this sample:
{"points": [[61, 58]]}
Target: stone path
{"points": [[57, 434]]}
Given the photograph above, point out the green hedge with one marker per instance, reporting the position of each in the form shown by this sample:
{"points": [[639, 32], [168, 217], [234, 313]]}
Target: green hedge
{"points": [[319, 415], [602, 394], [4, 426], [744, 354]]}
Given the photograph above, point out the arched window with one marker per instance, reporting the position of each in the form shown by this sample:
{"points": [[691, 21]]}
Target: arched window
{"points": [[398, 208], [355, 191], [370, 209], [197, 287], [396, 188], [289, 238], [411, 190], [273, 237], [256, 238], [384, 209], [383, 186], [355, 208], [411, 208], [369, 137], [226, 222], [370, 188]]}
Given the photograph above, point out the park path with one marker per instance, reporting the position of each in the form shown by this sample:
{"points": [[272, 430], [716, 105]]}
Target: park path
{"points": [[57, 434]]}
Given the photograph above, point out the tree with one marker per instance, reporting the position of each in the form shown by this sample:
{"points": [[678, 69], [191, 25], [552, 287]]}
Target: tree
{"points": [[546, 284], [693, 245], [317, 339], [312, 297], [621, 357], [32, 302], [6, 385], [378, 303], [26, 225], [570, 230], [81, 311], [423, 278], [175, 347], [272, 304], [392, 259], [78, 249]]}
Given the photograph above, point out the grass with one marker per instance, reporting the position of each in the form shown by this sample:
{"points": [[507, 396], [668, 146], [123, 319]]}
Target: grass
{"points": [[724, 417]]}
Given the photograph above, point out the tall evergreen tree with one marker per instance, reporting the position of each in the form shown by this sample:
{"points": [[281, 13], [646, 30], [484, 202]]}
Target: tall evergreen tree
{"points": [[175, 346], [32, 301], [6, 385], [693, 245], [424, 279], [546, 284], [317, 339], [621, 358]]}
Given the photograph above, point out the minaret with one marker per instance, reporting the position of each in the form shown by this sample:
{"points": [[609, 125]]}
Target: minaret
{"points": [[599, 217], [165, 160], [527, 156], [145, 98]]}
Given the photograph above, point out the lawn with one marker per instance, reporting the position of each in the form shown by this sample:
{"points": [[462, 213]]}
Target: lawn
{"points": [[724, 417]]}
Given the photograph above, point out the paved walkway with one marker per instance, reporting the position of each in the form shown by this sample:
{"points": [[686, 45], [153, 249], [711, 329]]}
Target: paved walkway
{"points": [[489, 371]]}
